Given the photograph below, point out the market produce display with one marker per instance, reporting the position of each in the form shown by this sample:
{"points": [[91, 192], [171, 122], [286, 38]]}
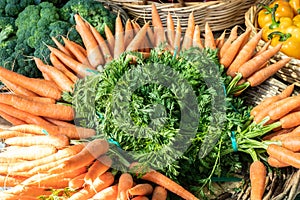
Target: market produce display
{"points": [[144, 112]]}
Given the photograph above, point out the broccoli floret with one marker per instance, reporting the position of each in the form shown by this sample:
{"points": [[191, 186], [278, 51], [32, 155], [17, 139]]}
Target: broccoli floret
{"points": [[13, 7], [7, 28]]}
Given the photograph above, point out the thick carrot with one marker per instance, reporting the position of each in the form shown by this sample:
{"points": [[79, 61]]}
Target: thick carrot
{"points": [[77, 182], [291, 143], [129, 34], [142, 189], [170, 30], [273, 162], [62, 48], [94, 54], [232, 36], [197, 38], [102, 182], [138, 39], [119, 47], [78, 54], [209, 40], [158, 31], [290, 120], [263, 74], [40, 99], [93, 150], [284, 155], [10, 181], [30, 84], [60, 66], [125, 183], [110, 39], [220, 40], [177, 40], [110, 192], [99, 167], [79, 68], [189, 33], [258, 173], [159, 193], [244, 54], [11, 119], [233, 49], [253, 65], [162, 180]]}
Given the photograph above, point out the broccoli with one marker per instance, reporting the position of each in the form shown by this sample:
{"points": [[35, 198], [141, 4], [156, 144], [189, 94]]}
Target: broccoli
{"points": [[94, 12]]}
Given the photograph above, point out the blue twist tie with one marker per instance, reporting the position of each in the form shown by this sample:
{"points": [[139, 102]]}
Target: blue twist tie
{"points": [[99, 115], [233, 141], [45, 132], [112, 141], [224, 89], [175, 52]]}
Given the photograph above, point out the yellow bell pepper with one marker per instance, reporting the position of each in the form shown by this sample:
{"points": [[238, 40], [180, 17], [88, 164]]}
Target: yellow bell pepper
{"points": [[295, 4], [296, 20]]}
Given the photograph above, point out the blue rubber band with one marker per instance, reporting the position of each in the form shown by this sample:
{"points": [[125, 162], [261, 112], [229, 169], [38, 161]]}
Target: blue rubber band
{"points": [[224, 89], [233, 141], [100, 115], [175, 52], [45, 132], [93, 71], [112, 141]]}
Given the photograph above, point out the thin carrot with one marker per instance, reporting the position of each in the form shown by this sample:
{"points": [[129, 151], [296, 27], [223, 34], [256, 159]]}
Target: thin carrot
{"points": [[290, 120], [244, 54], [258, 173], [10, 181], [30, 84], [284, 155], [125, 183], [11, 119], [209, 40], [177, 40], [119, 47], [159, 33], [81, 48], [29, 128], [145, 46], [220, 40], [135, 44], [251, 66], [263, 74], [38, 63], [142, 189], [56, 111], [77, 182], [159, 193], [197, 38], [93, 150], [110, 192], [170, 30], [273, 162], [129, 35], [151, 37], [62, 48], [233, 49], [59, 122], [110, 39], [189, 33], [264, 48], [232, 36], [270, 136]]}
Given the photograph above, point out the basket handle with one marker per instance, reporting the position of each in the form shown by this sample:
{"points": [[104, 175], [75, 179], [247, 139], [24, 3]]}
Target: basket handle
{"points": [[181, 3]]}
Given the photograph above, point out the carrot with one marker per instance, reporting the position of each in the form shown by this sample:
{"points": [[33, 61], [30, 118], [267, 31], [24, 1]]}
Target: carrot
{"points": [[159, 34], [290, 120], [197, 38], [252, 65], [10, 181], [77, 182], [232, 36], [102, 182], [170, 30], [78, 54], [30, 191], [140, 198], [129, 34], [110, 192], [291, 143], [264, 48], [10, 160], [107, 54], [30, 84], [151, 37], [162, 180], [263, 74], [277, 133], [62, 81], [189, 33], [125, 183], [99, 167], [209, 40], [233, 49], [220, 40], [119, 46], [59, 141], [79, 68], [258, 174], [145, 46], [59, 122], [93, 150], [22, 115], [62, 48], [30, 153], [294, 133], [11, 119], [244, 54], [177, 40], [17, 89], [273, 162], [159, 193], [40, 99], [142, 189], [284, 155], [135, 44], [29, 128], [110, 39], [60, 66]]}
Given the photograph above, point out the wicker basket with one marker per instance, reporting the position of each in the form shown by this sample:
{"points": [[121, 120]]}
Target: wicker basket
{"points": [[115, 9], [290, 73], [220, 15]]}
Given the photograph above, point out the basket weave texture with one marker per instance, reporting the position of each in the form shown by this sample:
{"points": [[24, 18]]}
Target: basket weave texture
{"points": [[291, 72], [219, 14]]}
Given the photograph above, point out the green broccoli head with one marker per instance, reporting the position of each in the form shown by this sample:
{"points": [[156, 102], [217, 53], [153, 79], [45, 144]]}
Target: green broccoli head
{"points": [[7, 28]]}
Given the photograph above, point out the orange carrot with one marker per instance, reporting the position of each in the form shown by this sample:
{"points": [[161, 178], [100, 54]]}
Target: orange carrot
{"points": [[135, 44], [244, 54], [81, 48], [142, 189], [209, 40], [93, 150], [258, 173], [159, 33], [233, 49], [177, 40], [274, 134], [125, 183], [10, 181], [291, 143], [107, 193], [94, 54], [284, 155], [11, 119], [8, 134], [263, 74], [151, 37], [30, 84], [40, 99], [119, 47], [273, 162], [220, 40], [251, 66], [290, 120], [77, 182], [62, 48], [110, 39], [232, 36], [140, 198], [189, 33], [159, 193], [264, 48], [59, 122], [197, 38], [170, 30], [129, 34], [56, 111]]}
